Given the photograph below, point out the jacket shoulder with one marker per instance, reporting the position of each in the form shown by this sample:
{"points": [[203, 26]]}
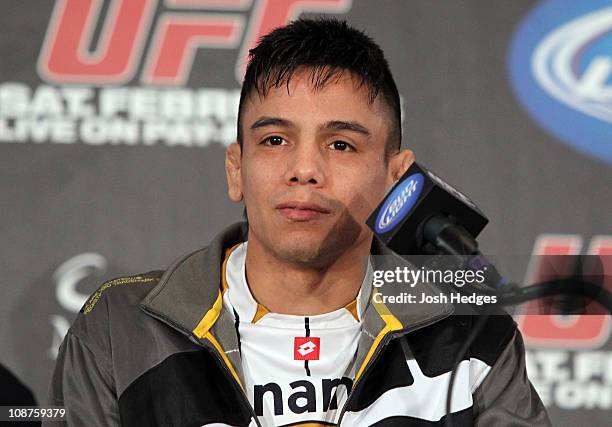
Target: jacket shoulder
{"points": [[435, 347], [124, 289], [114, 302]]}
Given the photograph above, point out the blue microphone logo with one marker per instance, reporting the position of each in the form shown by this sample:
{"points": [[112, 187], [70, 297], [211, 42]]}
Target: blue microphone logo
{"points": [[561, 71], [399, 203]]}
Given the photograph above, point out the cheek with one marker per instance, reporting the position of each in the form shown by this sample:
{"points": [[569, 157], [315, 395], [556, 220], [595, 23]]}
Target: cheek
{"points": [[257, 182], [363, 191]]}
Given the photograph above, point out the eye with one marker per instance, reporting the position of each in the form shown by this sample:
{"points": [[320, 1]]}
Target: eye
{"points": [[274, 140], [341, 146]]}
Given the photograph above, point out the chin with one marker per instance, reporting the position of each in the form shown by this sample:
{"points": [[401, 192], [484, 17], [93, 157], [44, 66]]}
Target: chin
{"points": [[305, 257], [301, 249], [298, 247], [308, 250]]}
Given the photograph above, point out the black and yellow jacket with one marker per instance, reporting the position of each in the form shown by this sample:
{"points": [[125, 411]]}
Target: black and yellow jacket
{"points": [[159, 349]]}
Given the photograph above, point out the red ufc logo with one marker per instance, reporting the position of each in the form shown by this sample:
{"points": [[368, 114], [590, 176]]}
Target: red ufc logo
{"points": [[306, 348], [571, 332], [176, 35]]}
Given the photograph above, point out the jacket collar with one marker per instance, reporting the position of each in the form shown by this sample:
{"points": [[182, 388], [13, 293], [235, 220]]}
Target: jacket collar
{"points": [[191, 286], [412, 315]]}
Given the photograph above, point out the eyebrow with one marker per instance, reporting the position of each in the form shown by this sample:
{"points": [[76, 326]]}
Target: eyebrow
{"points": [[272, 121], [331, 125], [342, 125]]}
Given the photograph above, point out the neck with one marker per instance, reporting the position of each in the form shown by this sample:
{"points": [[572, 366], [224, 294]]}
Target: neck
{"points": [[287, 288]]}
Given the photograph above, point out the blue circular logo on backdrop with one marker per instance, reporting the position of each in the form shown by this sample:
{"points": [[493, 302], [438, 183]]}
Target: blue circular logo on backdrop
{"points": [[561, 70], [399, 203]]}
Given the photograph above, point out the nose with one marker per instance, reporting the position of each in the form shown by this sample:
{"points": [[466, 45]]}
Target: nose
{"points": [[306, 165]]}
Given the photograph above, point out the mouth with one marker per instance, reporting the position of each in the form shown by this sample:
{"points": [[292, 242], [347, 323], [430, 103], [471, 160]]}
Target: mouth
{"points": [[302, 211]]}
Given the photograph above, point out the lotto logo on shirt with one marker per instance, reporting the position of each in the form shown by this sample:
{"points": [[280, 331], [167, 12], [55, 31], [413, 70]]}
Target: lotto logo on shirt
{"points": [[306, 348]]}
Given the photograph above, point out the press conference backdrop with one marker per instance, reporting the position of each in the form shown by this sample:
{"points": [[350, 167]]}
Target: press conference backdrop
{"points": [[114, 117]]}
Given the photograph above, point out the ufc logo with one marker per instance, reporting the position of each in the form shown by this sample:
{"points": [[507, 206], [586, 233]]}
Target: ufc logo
{"points": [[570, 332], [175, 36]]}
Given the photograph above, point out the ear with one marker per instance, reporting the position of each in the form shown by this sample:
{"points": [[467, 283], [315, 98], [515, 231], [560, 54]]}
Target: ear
{"points": [[399, 164], [233, 164]]}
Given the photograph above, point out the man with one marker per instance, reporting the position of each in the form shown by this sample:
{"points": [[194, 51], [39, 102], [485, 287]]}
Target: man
{"points": [[277, 326]]}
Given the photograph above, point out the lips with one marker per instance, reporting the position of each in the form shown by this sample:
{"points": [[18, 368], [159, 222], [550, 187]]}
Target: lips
{"points": [[302, 211]]}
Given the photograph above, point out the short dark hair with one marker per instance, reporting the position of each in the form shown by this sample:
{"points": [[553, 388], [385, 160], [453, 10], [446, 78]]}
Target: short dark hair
{"points": [[328, 47]]}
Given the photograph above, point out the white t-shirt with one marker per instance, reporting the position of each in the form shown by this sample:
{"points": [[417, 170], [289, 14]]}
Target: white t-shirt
{"points": [[297, 369]]}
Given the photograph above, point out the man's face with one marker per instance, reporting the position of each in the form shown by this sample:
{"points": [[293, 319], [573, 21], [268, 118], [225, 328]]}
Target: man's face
{"points": [[312, 168]]}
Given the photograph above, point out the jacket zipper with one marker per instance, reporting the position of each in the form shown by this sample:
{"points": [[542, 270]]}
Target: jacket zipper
{"points": [[210, 348], [244, 400], [385, 341], [377, 352]]}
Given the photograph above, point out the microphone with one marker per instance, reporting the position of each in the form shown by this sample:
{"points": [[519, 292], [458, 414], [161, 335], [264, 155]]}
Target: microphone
{"points": [[422, 214]]}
